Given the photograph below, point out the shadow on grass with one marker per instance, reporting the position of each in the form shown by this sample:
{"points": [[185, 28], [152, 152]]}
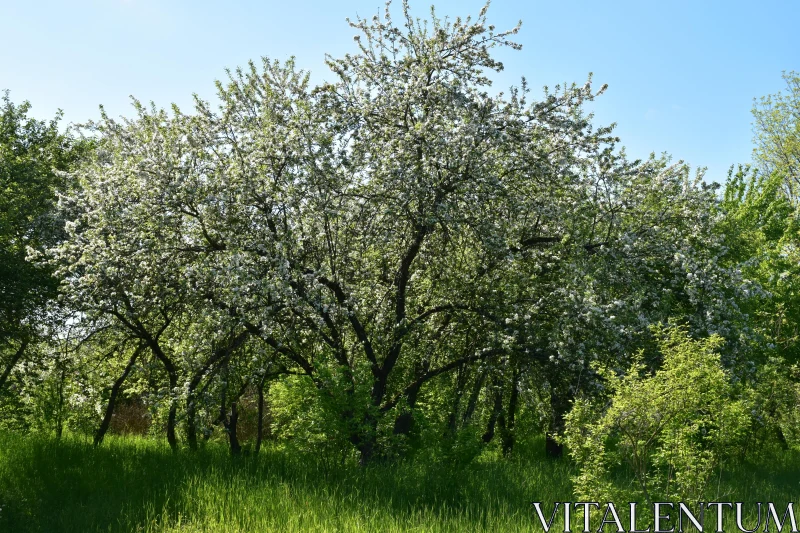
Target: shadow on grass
{"points": [[53, 486], [134, 484]]}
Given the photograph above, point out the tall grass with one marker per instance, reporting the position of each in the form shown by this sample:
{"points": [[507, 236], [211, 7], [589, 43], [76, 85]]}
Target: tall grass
{"points": [[135, 484], [139, 485]]}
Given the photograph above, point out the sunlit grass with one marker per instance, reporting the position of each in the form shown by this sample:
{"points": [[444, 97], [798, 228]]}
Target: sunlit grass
{"points": [[136, 484], [140, 485]]}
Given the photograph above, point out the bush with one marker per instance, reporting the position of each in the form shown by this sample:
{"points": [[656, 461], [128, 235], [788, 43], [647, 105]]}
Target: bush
{"points": [[773, 397], [304, 420], [673, 428]]}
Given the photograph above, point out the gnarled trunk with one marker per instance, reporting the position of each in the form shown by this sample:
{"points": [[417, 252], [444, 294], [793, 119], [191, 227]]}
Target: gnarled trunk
{"points": [[112, 400]]}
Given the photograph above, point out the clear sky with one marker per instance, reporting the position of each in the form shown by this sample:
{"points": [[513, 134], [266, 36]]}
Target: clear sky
{"points": [[682, 75]]}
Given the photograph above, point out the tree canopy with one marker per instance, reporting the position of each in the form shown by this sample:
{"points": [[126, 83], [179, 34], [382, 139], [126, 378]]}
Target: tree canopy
{"points": [[401, 257], [776, 129], [34, 156], [399, 226]]}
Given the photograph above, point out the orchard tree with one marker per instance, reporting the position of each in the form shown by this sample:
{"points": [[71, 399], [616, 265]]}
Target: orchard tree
{"points": [[761, 204], [34, 156], [762, 223], [378, 232], [127, 265], [763, 230], [776, 127]]}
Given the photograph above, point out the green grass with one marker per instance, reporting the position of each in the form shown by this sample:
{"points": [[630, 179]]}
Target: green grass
{"points": [[140, 485], [134, 484]]}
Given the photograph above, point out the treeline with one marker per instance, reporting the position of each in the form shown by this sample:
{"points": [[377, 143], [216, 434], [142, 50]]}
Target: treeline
{"points": [[400, 261]]}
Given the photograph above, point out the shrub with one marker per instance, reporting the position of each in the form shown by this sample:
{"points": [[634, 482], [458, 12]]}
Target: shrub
{"points": [[673, 427], [773, 397]]}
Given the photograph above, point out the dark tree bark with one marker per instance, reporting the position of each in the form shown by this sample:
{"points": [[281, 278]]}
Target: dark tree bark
{"points": [[230, 423], [112, 400], [473, 397], [507, 427], [452, 419], [365, 439], [231, 426], [404, 423], [151, 338], [172, 439], [14, 360], [781, 438], [260, 425], [61, 400], [497, 411], [552, 447], [560, 405], [220, 355], [191, 421]]}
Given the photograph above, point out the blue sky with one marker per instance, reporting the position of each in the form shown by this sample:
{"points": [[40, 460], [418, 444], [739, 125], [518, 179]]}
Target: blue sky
{"points": [[682, 75]]}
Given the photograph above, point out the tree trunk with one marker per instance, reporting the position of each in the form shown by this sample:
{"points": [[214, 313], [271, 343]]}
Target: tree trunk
{"points": [[61, 400], [263, 412], [473, 397], [552, 447], [172, 372], [231, 426], [191, 422], [452, 420], [560, 405], [14, 360], [366, 440], [497, 411], [220, 355], [260, 426], [112, 400], [173, 410], [230, 423], [781, 438], [507, 428], [404, 423]]}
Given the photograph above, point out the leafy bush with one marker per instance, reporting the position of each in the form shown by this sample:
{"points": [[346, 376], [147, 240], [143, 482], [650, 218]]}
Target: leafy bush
{"points": [[773, 397], [673, 428], [303, 420]]}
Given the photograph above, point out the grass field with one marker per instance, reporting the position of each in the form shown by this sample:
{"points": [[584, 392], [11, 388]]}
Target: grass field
{"points": [[135, 484]]}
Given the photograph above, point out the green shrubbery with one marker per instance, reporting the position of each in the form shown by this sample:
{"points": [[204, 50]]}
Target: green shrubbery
{"points": [[672, 429], [773, 399]]}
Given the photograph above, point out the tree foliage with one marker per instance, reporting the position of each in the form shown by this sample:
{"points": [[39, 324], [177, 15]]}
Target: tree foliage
{"points": [[776, 130], [397, 257], [383, 231], [34, 156]]}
